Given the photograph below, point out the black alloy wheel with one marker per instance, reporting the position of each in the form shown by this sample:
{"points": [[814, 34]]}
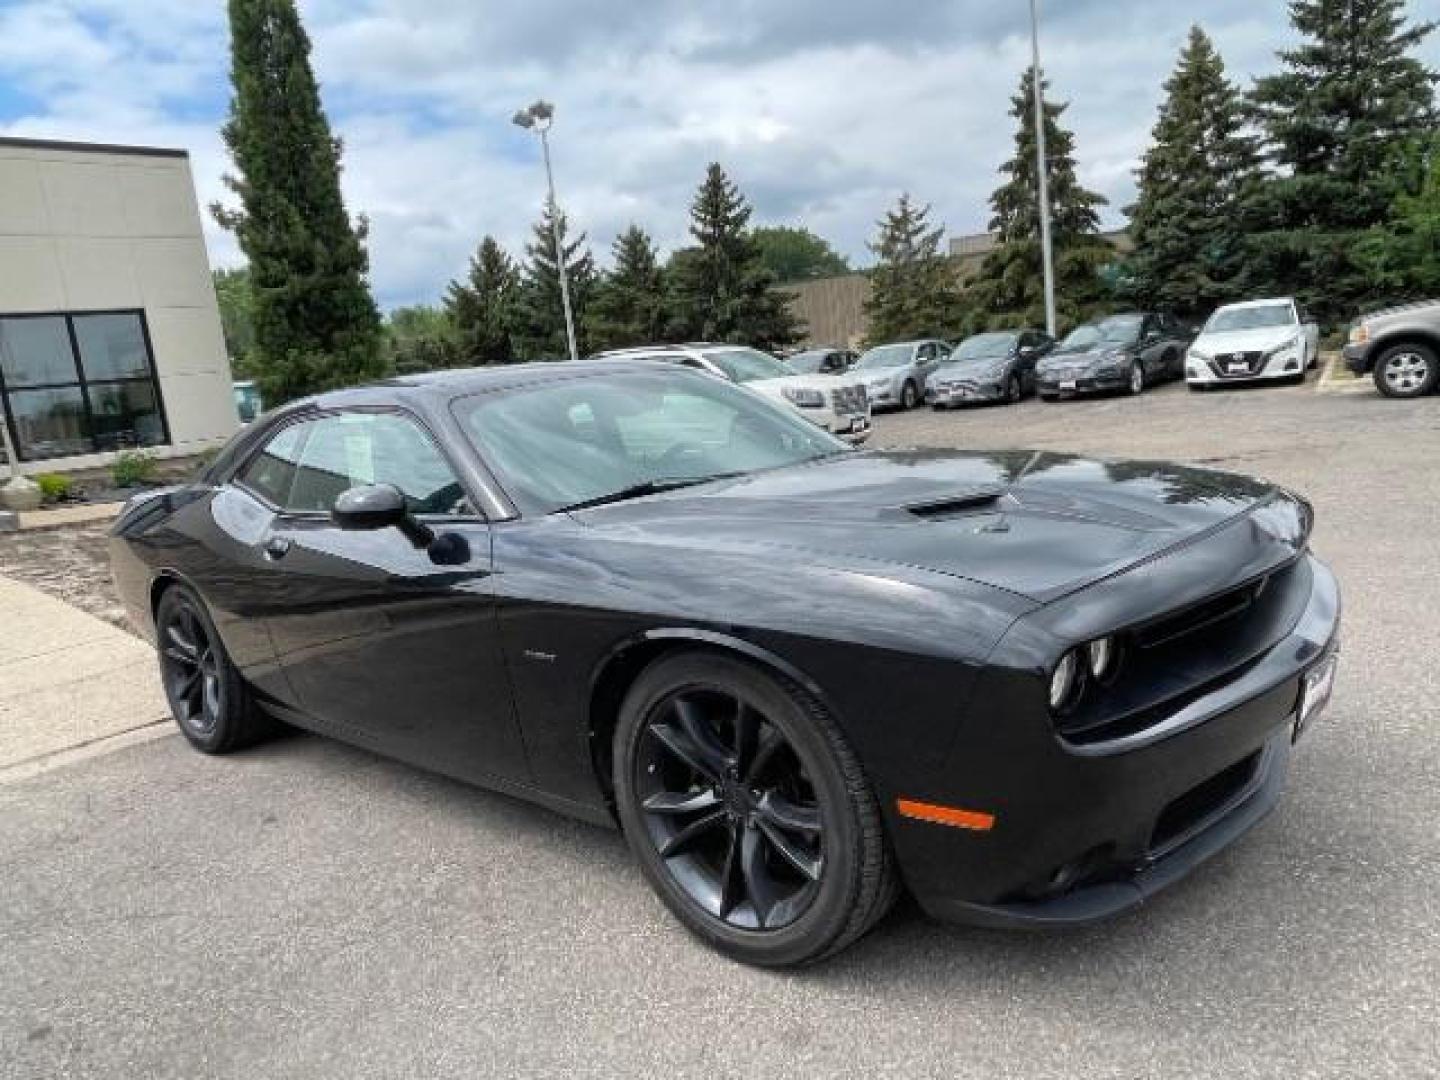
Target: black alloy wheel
{"points": [[209, 700], [749, 814]]}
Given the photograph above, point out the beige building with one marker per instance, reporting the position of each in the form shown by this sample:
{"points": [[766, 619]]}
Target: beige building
{"points": [[110, 336]]}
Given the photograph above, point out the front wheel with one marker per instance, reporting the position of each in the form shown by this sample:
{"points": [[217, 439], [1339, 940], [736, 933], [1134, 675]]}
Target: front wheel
{"points": [[1014, 390], [748, 812], [210, 702], [909, 396], [1406, 371], [1137, 377]]}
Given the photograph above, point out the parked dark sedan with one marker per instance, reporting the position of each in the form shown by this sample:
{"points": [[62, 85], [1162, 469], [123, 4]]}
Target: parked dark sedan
{"points": [[987, 368], [1124, 352], [1031, 687]]}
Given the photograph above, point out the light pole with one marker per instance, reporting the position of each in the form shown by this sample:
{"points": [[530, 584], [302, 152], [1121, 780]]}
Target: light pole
{"points": [[538, 117], [1047, 251]]}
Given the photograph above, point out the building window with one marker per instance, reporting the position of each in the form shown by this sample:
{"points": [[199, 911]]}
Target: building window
{"points": [[79, 384]]}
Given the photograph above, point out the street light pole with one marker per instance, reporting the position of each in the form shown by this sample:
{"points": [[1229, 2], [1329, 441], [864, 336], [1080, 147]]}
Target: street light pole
{"points": [[1047, 251], [538, 117]]}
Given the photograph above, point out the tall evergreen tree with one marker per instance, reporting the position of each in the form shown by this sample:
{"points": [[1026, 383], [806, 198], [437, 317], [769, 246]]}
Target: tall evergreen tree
{"points": [[237, 316], [1402, 257], [315, 322], [482, 306], [913, 288], [628, 307], [1336, 121], [539, 328], [721, 289], [1008, 291], [1195, 182]]}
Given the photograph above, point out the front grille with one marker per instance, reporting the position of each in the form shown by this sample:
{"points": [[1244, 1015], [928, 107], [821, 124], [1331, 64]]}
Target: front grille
{"points": [[849, 399], [1177, 658], [1208, 799], [1221, 364]]}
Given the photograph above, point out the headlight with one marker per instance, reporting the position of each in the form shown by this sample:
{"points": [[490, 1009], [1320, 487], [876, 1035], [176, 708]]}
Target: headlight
{"points": [[1102, 657], [1359, 334], [804, 399], [1294, 342], [1064, 681]]}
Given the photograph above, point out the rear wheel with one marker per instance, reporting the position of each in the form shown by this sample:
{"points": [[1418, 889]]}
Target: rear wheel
{"points": [[210, 702], [748, 811], [1406, 371]]}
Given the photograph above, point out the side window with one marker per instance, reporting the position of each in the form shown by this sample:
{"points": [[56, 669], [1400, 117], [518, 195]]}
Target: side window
{"points": [[350, 449], [271, 472]]}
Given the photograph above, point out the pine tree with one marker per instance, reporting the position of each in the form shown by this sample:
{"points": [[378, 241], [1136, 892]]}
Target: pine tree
{"points": [[628, 307], [315, 322], [913, 288], [1337, 122], [1195, 181], [1008, 291], [481, 306], [539, 327], [721, 289], [1402, 257]]}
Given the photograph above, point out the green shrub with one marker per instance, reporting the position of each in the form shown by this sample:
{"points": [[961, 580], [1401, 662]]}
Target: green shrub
{"points": [[54, 487], [132, 468]]}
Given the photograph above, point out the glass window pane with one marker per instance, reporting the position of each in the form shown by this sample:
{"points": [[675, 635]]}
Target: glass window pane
{"points": [[272, 471], [111, 346], [36, 352], [374, 448], [49, 423], [124, 415]]}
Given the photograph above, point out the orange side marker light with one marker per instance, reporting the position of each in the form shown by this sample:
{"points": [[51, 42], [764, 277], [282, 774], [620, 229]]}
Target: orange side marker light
{"points": [[946, 815]]}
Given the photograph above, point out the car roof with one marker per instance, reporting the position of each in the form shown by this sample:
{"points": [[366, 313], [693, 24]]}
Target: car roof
{"points": [[1256, 303]]}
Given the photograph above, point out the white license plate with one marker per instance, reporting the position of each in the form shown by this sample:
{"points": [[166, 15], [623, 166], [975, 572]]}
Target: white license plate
{"points": [[1316, 688], [1067, 384], [1237, 368]]}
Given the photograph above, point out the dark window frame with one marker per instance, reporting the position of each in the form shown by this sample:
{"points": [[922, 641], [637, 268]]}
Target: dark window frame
{"points": [[82, 383]]}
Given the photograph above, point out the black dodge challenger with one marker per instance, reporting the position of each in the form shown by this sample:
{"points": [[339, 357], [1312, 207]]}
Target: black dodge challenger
{"points": [[1031, 689]]}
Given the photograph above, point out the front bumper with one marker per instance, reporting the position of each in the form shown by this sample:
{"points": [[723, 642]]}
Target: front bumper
{"points": [[1357, 358], [1071, 385], [1209, 372], [1085, 832], [853, 429], [967, 393]]}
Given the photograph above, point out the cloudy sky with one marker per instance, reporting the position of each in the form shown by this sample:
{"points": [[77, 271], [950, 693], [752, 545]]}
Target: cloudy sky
{"points": [[822, 110]]}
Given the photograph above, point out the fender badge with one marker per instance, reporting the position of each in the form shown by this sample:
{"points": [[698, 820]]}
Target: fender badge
{"points": [[536, 654]]}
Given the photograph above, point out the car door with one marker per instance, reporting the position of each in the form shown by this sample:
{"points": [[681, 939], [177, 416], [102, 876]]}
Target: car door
{"points": [[927, 359], [378, 643]]}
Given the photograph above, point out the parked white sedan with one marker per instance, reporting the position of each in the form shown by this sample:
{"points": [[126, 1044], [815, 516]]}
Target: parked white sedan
{"points": [[837, 403], [1259, 339]]}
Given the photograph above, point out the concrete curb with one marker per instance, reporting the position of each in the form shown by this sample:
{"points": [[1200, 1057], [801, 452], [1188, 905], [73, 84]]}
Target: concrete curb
{"points": [[60, 517], [1336, 378]]}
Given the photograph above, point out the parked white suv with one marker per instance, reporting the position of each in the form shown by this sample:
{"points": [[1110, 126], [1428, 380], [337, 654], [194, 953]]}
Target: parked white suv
{"points": [[1259, 339], [837, 403]]}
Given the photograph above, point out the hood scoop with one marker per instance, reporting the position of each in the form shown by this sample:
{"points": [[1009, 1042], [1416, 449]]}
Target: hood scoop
{"points": [[956, 505]]}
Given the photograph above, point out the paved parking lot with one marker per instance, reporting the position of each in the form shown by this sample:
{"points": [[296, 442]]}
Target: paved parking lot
{"points": [[308, 910]]}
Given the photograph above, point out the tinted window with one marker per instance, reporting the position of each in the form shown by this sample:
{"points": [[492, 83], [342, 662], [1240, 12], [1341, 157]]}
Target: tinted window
{"points": [[351, 449], [35, 352], [111, 347], [272, 471]]}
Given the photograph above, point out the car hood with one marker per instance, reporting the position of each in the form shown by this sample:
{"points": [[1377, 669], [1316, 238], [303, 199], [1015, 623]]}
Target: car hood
{"points": [[823, 383], [1080, 353], [1259, 340], [1039, 525]]}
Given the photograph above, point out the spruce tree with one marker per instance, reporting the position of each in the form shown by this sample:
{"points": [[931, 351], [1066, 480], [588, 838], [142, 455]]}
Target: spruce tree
{"points": [[1008, 291], [628, 307], [315, 322], [1194, 184], [913, 288], [481, 306], [1337, 122], [539, 327], [721, 289], [1402, 257]]}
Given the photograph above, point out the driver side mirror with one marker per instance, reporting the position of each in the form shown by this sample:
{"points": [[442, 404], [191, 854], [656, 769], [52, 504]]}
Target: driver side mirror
{"points": [[372, 507]]}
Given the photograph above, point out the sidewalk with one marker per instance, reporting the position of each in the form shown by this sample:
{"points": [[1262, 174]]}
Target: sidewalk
{"points": [[67, 680]]}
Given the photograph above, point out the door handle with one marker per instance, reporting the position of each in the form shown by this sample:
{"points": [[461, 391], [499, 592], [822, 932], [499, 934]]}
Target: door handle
{"points": [[277, 547]]}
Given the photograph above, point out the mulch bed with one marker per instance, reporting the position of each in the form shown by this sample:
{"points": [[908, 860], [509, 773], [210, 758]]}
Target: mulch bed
{"points": [[71, 563]]}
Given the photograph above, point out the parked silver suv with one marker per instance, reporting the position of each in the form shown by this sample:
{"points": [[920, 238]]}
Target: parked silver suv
{"points": [[1400, 347]]}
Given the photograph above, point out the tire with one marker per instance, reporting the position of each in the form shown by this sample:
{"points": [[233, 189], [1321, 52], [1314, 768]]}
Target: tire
{"points": [[1137, 378], [208, 699], [1014, 390], [1407, 371], [706, 877], [909, 397]]}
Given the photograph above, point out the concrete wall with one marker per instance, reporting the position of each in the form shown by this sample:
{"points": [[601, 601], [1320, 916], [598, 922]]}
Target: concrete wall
{"points": [[87, 228]]}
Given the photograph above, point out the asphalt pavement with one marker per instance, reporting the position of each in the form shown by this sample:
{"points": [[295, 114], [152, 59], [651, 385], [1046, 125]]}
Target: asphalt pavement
{"points": [[309, 910]]}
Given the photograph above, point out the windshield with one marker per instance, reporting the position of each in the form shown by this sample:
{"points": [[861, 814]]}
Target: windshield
{"points": [[1227, 320], [807, 363], [984, 347], [1121, 328], [748, 365], [574, 440], [1082, 337], [886, 356]]}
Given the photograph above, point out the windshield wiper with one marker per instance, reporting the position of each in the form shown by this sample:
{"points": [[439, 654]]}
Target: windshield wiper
{"points": [[647, 487]]}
